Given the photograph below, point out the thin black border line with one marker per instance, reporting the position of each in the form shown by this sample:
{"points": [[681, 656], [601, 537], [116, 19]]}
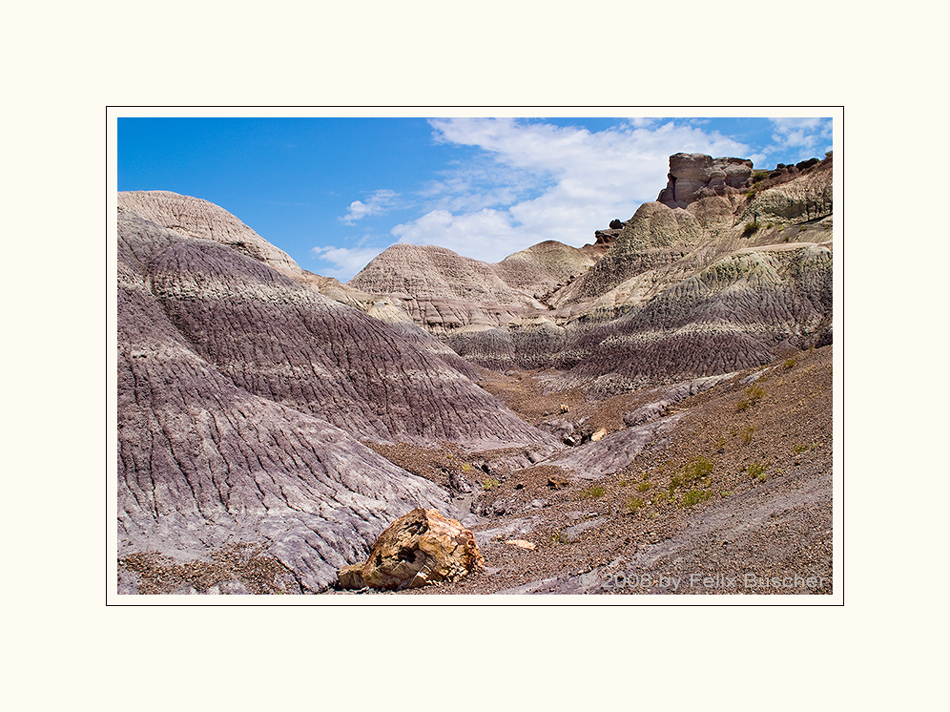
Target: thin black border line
{"points": [[836, 178]]}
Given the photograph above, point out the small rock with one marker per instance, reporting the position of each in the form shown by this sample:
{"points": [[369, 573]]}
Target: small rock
{"points": [[522, 544]]}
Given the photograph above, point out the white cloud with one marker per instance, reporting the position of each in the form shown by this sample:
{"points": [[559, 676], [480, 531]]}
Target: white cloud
{"points": [[485, 235], [378, 203], [541, 182], [530, 181], [804, 134], [344, 262]]}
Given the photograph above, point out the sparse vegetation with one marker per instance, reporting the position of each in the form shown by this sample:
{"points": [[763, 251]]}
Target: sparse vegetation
{"points": [[694, 497], [643, 486], [790, 363], [753, 394], [699, 467], [490, 483], [746, 434], [559, 537], [799, 448], [634, 504], [593, 492], [750, 229], [756, 470], [693, 472]]}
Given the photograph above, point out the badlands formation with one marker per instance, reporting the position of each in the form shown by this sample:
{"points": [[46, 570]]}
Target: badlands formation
{"points": [[656, 404]]}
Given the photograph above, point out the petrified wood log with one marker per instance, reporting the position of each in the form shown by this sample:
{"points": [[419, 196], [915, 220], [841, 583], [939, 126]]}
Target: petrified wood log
{"points": [[419, 548]]}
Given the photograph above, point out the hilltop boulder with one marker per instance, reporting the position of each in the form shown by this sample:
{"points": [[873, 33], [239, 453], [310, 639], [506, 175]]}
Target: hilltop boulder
{"points": [[695, 175]]}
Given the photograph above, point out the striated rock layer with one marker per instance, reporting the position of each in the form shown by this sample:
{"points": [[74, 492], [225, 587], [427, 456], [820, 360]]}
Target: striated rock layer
{"points": [[727, 268], [241, 398]]}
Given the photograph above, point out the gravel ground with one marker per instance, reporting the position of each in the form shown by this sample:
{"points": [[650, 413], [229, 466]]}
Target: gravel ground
{"points": [[735, 499]]}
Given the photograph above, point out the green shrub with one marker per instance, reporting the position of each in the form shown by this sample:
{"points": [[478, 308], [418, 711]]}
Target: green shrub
{"points": [[757, 470], [695, 470], [750, 229], [790, 364], [694, 497], [754, 393], [634, 504], [593, 492], [699, 467], [490, 483]]}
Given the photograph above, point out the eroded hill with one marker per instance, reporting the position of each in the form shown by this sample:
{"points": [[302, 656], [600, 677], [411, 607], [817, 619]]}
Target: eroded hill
{"points": [[721, 273], [658, 402]]}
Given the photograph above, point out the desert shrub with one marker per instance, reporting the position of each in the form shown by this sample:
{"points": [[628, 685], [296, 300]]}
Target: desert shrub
{"points": [[746, 434], [699, 467], [757, 470], [695, 470], [798, 448], [490, 483], [559, 537], [750, 229], [694, 497], [643, 486], [634, 504], [790, 363], [593, 491], [754, 393]]}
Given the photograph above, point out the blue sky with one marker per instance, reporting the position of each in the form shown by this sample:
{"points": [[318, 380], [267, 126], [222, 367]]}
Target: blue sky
{"points": [[335, 192]]}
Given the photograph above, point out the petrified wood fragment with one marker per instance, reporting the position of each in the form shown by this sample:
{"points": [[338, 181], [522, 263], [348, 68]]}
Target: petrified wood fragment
{"points": [[419, 548]]}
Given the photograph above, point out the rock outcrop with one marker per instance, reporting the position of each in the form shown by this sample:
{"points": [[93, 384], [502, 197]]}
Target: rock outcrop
{"points": [[420, 548], [695, 175]]}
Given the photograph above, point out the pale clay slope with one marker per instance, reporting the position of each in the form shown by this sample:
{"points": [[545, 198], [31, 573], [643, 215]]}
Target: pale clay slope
{"points": [[241, 398]]}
